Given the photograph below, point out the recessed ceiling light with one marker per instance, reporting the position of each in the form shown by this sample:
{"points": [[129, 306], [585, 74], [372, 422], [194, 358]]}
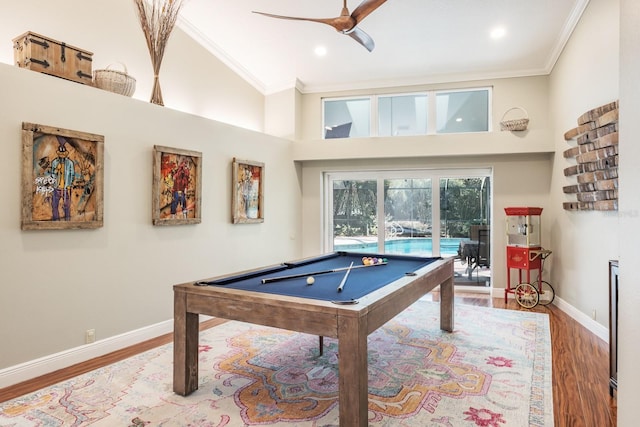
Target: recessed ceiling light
{"points": [[498, 33], [320, 51]]}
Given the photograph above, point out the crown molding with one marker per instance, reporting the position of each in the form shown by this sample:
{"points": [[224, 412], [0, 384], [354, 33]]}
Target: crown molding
{"points": [[567, 30], [197, 35], [306, 88]]}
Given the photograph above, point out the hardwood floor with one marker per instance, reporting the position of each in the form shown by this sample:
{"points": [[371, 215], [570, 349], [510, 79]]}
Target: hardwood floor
{"points": [[580, 366]]}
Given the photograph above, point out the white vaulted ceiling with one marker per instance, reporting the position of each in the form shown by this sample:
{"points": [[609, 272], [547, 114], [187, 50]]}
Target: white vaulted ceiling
{"points": [[417, 41]]}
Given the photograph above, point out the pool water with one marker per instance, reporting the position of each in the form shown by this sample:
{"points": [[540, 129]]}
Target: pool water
{"points": [[415, 246]]}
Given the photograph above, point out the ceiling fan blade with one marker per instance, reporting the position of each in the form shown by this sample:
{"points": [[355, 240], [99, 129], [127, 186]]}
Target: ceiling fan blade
{"points": [[361, 37], [328, 21], [345, 23], [365, 8]]}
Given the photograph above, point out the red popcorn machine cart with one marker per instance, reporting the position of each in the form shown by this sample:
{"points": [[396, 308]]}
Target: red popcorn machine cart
{"points": [[525, 253]]}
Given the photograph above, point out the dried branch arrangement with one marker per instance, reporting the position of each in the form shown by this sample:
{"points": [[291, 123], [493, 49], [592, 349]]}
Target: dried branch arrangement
{"points": [[157, 18]]}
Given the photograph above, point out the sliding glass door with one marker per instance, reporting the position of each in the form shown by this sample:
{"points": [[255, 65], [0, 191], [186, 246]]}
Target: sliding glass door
{"points": [[465, 226], [408, 216], [426, 212], [354, 214]]}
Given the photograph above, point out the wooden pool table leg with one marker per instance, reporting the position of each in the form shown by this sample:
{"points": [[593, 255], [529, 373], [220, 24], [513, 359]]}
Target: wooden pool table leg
{"points": [[353, 371], [185, 347], [446, 305]]}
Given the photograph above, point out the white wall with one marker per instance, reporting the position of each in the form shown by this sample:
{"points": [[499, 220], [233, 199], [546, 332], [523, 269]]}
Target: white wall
{"points": [[521, 161], [629, 231], [530, 93], [585, 77], [281, 113], [119, 277], [192, 80], [57, 284], [518, 180]]}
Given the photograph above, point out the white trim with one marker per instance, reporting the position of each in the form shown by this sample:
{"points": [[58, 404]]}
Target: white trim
{"points": [[567, 30], [326, 217], [379, 175], [473, 289], [199, 37], [44, 365], [592, 326], [421, 80], [599, 330], [433, 104], [369, 98], [64, 359], [432, 109], [266, 89]]}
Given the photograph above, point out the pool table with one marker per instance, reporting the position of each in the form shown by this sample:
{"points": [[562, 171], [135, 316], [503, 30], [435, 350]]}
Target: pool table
{"points": [[371, 296]]}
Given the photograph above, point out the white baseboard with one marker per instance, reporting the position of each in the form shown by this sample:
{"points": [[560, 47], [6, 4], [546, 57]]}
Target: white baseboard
{"points": [[600, 331], [594, 327], [51, 363], [45, 365]]}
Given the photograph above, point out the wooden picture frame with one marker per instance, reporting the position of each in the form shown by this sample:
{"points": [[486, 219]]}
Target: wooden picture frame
{"points": [[247, 192], [177, 186], [62, 178]]}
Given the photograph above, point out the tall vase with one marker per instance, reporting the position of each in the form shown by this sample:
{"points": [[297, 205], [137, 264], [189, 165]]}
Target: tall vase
{"points": [[156, 93], [157, 19]]}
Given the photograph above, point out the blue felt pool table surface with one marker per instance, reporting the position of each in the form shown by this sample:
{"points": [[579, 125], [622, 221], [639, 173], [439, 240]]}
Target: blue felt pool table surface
{"points": [[360, 281]]}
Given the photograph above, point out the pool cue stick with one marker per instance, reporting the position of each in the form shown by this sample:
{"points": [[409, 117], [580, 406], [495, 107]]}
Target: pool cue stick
{"points": [[315, 273], [344, 279]]}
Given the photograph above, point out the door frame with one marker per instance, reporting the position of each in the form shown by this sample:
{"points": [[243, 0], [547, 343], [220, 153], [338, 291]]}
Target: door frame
{"points": [[379, 176]]}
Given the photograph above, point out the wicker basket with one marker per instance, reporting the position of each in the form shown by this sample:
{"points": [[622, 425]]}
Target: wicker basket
{"points": [[115, 81], [515, 124]]}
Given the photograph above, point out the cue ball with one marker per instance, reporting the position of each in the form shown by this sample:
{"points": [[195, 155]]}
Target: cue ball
{"points": [[310, 280]]}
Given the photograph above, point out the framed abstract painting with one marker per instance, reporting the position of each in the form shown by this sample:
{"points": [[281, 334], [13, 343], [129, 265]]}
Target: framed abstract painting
{"points": [[177, 186], [62, 178], [247, 192]]}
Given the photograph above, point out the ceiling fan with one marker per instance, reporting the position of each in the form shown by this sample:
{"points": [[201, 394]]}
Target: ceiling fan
{"points": [[345, 23]]}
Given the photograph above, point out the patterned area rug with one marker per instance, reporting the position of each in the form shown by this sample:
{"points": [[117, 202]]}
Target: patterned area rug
{"points": [[493, 371]]}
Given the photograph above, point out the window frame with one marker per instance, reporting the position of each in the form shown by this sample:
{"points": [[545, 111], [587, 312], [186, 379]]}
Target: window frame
{"points": [[379, 175], [431, 110], [427, 94], [489, 90], [348, 98]]}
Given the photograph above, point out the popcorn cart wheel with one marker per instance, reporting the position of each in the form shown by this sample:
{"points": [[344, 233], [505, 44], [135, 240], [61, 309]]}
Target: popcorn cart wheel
{"points": [[528, 295]]}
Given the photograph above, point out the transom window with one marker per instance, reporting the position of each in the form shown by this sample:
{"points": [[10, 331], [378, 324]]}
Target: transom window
{"points": [[462, 111], [347, 118], [400, 115], [422, 113]]}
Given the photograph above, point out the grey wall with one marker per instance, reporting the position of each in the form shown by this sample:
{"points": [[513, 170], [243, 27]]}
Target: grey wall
{"points": [[57, 284]]}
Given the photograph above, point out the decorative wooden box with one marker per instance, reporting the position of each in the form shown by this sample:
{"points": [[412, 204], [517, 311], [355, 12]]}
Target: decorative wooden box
{"points": [[43, 54]]}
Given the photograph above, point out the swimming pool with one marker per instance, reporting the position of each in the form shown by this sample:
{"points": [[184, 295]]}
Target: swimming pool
{"points": [[415, 246]]}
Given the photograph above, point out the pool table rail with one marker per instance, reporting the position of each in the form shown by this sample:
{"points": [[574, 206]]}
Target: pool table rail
{"points": [[350, 324]]}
